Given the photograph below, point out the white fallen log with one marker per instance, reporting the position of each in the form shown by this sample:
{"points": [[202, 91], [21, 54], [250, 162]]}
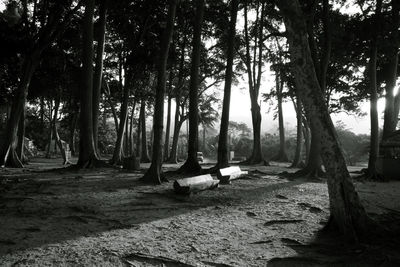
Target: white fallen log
{"points": [[194, 184], [226, 175]]}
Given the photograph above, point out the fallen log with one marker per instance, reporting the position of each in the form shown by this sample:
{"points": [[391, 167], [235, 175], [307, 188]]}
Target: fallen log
{"points": [[226, 175], [195, 184]]}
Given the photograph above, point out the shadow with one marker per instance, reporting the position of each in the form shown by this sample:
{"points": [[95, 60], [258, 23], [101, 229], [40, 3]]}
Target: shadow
{"points": [[50, 207], [329, 249]]}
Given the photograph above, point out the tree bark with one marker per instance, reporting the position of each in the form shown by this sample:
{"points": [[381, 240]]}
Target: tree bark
{"points": [[282, 155], [177, 122], [87, 152], [8, 151], [347, 213], [131, 146], [21, 138], [48, 152], [98, 72], [299, 136], [192, 165], [390, 117], [254, 85], [177, 128], [154, 173], [307, 139], [57, 138], [223, 156], [118, 150], [72, 129], [168, 128], [111, 104], [48, 33], [372, 68], [143, 148]]}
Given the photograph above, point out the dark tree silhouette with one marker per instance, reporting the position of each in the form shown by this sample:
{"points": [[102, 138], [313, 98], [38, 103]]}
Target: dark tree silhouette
{"points": [[154, 173], [347, 213], [192, 165]]}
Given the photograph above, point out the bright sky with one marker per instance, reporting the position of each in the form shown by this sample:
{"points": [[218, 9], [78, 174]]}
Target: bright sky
{"points": [[240, 112]]}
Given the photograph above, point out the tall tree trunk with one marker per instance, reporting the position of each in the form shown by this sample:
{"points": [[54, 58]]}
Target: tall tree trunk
{"points": [[327, 45], [50, 139], [138, 133], [8, 150], [347, 213], [57, 138], [42, 111], [87, 152], [21, 138], [204, 138], [372, 68], [223, 150], [192, 165], [390, 117], [168, 128], [299, 136], [282, 155], [111, 104], [48, 33], [177, 124], [144, 148], [154, 173], [307, 138], [177, 128], [72, 129], [118, 150], [131, 143], [313, 168], [254, 84], [98, 72]]}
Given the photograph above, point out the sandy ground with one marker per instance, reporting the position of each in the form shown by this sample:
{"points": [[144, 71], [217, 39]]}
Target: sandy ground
{"points": [[106, 217]]}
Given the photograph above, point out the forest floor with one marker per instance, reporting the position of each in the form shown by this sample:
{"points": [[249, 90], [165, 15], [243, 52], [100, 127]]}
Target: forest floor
{"points": [[106, 217]]}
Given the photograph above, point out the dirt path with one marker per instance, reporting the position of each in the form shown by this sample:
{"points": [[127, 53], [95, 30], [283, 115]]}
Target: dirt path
{"points": [[106, 217]]}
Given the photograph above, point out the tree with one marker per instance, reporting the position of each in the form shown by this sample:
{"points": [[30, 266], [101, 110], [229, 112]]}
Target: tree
{"points": [[282, 155], [168, 129], [192, 165], [153, 174], [299, 135], [118, 155], [222, 160], [40, 39], [87, 150], [372, 69], [98, 72], [347, 213], [254, 78], [392, 102]]}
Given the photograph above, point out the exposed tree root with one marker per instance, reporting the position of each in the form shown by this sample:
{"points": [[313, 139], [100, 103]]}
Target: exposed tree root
{"points": [[11, 159], [92, 163], [370, 175], [191, 166], [312, 174], [371, 232], [154, 176]]}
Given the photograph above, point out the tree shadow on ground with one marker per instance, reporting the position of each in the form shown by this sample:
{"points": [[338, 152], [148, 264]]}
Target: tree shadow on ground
{"points": [[42, 208], [329, 249]]}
